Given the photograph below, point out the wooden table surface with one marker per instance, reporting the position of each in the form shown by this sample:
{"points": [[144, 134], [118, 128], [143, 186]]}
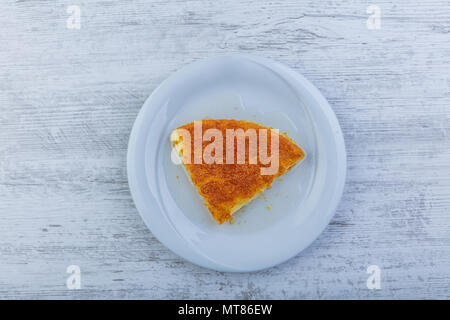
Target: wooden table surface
{"points": [[69, 97]]}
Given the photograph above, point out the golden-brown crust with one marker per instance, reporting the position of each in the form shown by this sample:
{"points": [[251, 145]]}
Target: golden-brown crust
{"points": [[227, 186]]}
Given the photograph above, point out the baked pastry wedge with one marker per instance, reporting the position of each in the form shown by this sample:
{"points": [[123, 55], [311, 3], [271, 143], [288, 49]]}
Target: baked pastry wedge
{"points": [[230, 162]]}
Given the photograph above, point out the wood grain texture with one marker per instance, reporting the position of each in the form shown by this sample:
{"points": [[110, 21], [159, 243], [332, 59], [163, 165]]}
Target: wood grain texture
{"points": [[68, 99]]}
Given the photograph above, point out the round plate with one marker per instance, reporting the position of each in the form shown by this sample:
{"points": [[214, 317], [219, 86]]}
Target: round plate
{"points": [[281, 222]]}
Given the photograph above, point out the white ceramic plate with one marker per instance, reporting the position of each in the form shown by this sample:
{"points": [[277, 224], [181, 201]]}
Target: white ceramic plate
{"points": [[286, 218]]}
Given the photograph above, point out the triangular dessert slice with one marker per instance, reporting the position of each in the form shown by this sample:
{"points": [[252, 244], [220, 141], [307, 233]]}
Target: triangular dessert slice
{"points": [[228, 182]]}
